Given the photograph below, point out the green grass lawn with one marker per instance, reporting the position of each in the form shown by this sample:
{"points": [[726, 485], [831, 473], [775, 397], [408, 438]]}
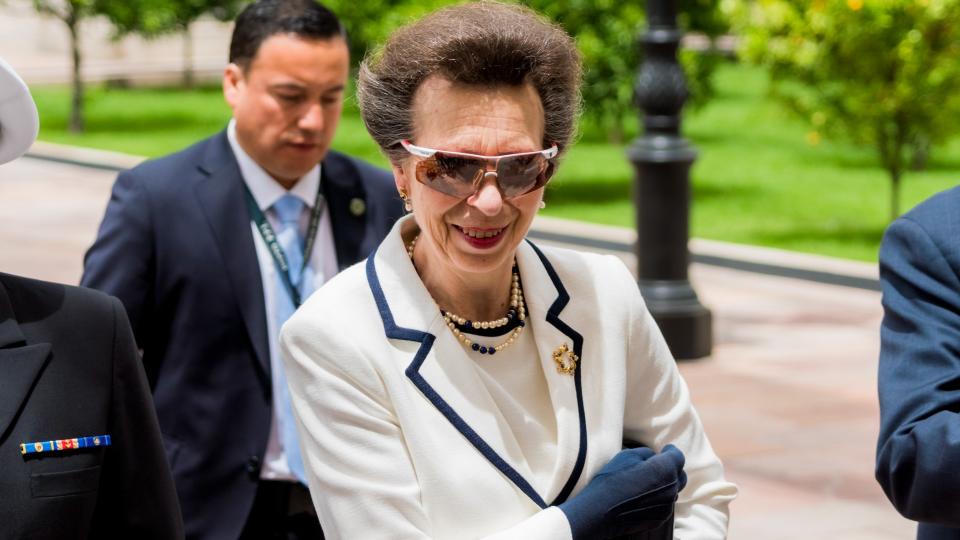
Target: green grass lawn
{"points": [[156, 121], [757, 180]]}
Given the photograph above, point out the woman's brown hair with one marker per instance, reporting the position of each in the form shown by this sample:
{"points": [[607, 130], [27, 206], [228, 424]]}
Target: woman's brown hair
{"points": [[478, 43]]}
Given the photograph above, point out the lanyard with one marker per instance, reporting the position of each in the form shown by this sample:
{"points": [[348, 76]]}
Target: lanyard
{"points": [[266, 232]]}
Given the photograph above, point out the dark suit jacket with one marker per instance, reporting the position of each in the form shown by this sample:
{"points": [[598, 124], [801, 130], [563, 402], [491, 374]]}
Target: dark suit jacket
{"points": [[176, 247], [918, 453], [69, 368]]}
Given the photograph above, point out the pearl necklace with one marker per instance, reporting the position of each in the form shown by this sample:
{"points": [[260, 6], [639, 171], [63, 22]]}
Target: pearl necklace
{"points": [[460, 325]]}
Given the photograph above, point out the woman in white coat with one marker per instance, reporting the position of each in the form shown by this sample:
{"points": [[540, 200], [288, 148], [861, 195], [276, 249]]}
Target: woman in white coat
{"points": [[463, 382]]}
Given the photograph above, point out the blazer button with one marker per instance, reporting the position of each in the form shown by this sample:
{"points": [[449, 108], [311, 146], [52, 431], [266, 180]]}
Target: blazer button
{"points": [[253, 467]]}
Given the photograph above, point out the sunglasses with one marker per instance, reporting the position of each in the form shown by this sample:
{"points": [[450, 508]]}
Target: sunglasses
{"points": [[459, 174]]}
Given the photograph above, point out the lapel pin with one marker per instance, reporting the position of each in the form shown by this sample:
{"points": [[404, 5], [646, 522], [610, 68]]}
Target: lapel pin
{"points": [[565, 359], [357, 207], [61, 445]]}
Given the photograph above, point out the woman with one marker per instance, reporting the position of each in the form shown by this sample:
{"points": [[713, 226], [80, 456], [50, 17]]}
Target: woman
{"points": [[463, 382]]}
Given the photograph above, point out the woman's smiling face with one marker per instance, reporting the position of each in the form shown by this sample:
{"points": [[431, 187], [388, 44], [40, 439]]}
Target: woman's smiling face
{"points": [[478, 234]]}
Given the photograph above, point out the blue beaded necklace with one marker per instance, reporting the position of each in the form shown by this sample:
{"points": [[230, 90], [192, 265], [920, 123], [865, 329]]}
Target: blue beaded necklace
{"points": [[516, 316]]}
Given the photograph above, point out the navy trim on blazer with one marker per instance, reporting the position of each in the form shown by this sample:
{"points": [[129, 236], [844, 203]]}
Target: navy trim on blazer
{"points": [[553, 317], [426, 340]]}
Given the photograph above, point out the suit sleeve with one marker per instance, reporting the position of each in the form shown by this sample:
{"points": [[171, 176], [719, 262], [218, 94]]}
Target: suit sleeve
{"points": [[120, 261], [353, 447], [918, 450], [658, 411], [137, 498]]}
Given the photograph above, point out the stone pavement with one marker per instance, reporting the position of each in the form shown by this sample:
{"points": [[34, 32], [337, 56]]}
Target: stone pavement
{"points": [[788, 396]]}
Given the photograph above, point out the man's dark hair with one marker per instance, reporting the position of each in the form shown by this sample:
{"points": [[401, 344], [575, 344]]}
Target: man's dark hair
{"points": [[264, 18]]}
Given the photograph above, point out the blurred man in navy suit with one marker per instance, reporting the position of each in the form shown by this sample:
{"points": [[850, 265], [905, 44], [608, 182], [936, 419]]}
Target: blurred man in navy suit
{"points": [[918, 453], [212, 248]]}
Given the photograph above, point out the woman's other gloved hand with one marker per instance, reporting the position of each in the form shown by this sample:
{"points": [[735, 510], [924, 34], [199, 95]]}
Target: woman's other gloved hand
{"points": [[634, 492]]}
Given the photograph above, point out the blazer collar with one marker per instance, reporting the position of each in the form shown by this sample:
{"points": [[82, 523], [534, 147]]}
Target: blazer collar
{"points": [[546, 297], [347, 202], [10, 334], [20, 363], [444, 372], [221, 196]]}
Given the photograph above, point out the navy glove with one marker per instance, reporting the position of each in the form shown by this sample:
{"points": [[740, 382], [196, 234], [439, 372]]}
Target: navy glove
{"points": [[634, 492]]}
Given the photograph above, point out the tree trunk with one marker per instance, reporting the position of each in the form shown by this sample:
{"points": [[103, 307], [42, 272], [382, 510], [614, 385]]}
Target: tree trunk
{"points": [[76, 106], [613, 124], [188, 80], [615, 133], [895, 195], [921, 152], [900, 141], [891, 142]]}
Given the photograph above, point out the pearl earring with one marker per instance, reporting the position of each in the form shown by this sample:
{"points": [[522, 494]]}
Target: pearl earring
{"points": [[407, 205], [542, 204]]}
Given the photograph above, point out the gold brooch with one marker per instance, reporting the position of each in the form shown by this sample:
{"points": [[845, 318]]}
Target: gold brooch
{"points": [[565, 359]]}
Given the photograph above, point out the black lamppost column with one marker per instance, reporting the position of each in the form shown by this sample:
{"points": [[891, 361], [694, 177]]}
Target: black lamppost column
{"points": [[662, 159]]}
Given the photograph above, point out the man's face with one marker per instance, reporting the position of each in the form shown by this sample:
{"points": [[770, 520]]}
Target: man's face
{"points": [[287, 102]]}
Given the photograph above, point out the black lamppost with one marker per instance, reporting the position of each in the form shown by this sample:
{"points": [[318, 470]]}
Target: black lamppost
{"points": [[662, 158]]}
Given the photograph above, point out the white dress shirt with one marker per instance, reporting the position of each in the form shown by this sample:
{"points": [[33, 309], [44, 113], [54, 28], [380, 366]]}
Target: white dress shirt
{"points": [[323, 261]]}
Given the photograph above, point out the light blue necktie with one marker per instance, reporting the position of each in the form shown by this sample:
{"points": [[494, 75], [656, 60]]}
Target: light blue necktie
{"points": [[288, 210]]}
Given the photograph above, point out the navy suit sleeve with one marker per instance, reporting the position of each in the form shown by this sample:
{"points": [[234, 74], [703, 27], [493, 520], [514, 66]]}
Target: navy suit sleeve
{"points": [[120, 261], [137, 496], [918, 452]]}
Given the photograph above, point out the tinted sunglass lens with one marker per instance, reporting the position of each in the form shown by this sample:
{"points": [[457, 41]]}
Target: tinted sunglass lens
{"points": [[461, 171], [450, 175], [521, 174]]}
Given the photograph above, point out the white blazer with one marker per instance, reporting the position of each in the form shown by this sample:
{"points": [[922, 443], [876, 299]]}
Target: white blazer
{"points": [[401, 439]]}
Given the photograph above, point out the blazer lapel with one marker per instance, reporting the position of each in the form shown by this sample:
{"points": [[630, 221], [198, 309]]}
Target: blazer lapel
{"points": [[450, 380], [221, 196], [345, 197], [20, 364], [446, 376], [546, 298]]}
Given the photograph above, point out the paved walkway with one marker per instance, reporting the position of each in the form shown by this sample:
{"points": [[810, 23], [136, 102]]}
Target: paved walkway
{"points": [[788, 396]]}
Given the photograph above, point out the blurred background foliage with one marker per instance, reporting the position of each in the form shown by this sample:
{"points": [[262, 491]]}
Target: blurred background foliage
{"points": [[150, 18], [606, 32], [880, 73]]}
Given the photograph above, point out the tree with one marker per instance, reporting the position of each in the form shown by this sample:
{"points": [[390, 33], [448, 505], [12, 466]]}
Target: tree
{"points": [[370, 22], [704, 17], [878, 72], [606, 32], [71, 12], [147, 17], [151, 18]]}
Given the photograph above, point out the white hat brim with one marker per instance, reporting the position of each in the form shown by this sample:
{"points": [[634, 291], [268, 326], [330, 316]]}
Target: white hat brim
{"points": [[19, 122]]}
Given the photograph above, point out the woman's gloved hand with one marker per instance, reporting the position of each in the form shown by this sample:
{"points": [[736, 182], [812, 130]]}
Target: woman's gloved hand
{"points": [[634, 492]]}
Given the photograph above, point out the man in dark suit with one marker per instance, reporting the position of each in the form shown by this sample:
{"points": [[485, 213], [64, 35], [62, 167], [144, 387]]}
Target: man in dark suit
{"points": [[918, 453], [80, 448], [212, 248]]}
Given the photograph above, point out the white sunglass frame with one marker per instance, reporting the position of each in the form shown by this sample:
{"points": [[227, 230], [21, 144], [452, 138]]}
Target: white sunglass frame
{"points": [[424, 152]]}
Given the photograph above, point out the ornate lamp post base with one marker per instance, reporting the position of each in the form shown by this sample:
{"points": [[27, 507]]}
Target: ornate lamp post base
{"points": [[662, 160], [685, 323]]}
